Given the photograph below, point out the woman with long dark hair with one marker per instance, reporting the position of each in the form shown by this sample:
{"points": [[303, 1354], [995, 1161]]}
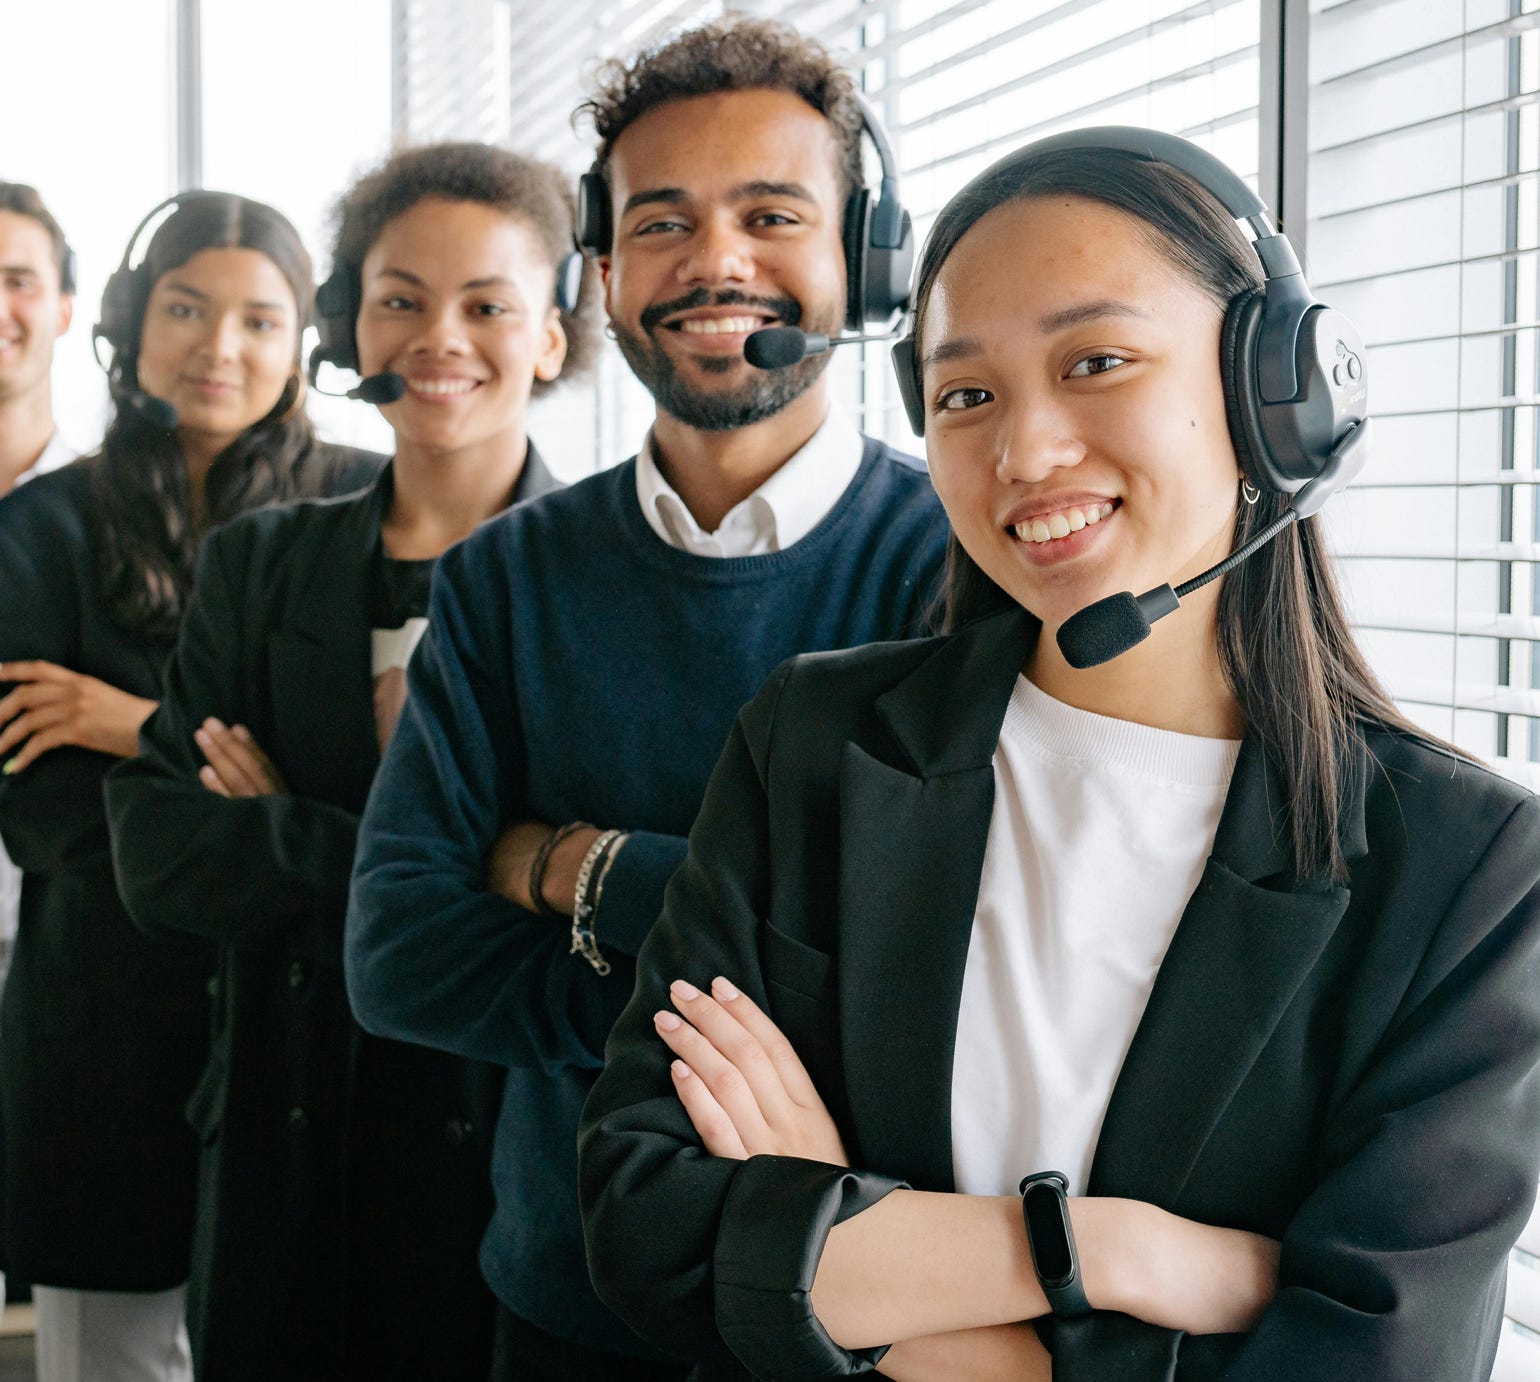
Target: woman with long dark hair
{"points": [[1206, 950], [103, 1032], [345, 1180]]}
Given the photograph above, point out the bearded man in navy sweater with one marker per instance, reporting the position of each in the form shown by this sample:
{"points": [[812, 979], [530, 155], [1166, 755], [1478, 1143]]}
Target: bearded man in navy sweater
{"points": [[586, 654]]}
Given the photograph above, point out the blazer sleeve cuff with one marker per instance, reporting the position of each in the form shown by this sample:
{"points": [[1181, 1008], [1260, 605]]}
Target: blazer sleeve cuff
{"points": [[775, 1220]]}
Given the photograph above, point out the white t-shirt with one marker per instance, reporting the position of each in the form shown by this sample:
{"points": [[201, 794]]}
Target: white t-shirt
{"points": [[58, 452], [1098, 837], [781, 512]]}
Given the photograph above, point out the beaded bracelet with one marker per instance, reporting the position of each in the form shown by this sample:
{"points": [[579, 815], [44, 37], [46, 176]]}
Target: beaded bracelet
{"points": [[542, 861], [584, 906]]}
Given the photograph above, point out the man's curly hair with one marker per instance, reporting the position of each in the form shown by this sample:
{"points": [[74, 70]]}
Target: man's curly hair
{"points": [[525, 188], [736, 53]]}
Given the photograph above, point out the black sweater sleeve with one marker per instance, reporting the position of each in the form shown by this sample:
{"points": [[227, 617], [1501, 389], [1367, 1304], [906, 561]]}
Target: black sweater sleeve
{"points": [[249, 871]]}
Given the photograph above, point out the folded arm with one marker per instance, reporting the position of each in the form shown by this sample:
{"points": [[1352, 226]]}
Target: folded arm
{"points": [[243, 870], [1395, 1265], [434, 955], [797, 1266]]}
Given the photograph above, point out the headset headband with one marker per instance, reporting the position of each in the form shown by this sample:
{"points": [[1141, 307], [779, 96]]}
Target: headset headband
{"points": [[1292, 368], [178, 200], [119, 296]]}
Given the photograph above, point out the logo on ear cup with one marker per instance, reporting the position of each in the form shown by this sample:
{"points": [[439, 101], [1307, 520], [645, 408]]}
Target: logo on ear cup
{"points": [[1349, 368]]}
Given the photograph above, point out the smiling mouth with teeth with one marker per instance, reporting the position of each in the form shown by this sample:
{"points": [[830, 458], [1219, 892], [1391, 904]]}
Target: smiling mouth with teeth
{"points": [[441, 387], [718, 326], [1061, 524]]}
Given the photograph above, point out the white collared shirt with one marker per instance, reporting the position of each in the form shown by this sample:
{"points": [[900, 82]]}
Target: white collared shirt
{"points": [[780, 513], [58, 452]]}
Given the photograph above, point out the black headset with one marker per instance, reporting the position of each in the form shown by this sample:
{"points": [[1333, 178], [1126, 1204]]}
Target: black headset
{"points": [[875, 232], [338, 300], [128, 291], [1293, 369]]}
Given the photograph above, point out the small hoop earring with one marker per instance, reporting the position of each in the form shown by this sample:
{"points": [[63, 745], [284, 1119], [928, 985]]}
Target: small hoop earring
{"points": [[1249, 492], [609, 330]]}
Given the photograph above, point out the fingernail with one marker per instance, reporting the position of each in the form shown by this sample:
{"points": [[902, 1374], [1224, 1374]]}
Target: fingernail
{"points": [[12, 765], [201, 735], [681, 1070], [666, 1022], [680, 989], [720, 988]]}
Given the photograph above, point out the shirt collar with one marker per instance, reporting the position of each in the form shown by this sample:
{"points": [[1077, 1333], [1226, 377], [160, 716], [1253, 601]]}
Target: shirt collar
{"points": [[780, 513], [58, 452]]}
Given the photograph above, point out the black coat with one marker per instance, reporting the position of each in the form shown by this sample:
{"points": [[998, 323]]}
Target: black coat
{"points": [[1351, 1069], [344, 1186], [102, 1032]]}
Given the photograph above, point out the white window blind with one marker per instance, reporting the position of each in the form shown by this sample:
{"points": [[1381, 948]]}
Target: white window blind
{"points": [[1423, 227], [100, 160]]}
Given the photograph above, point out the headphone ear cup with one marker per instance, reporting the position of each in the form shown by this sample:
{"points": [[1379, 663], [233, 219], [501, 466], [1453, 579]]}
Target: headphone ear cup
{"points": [[336, 320], [854, 236], [888, 274], [1237, 372], [569, 283], [122, 305], [594, 232], [909, 384]]}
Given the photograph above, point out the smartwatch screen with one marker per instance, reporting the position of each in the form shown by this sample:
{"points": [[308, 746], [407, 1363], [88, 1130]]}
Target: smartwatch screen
{"points": [[1044, 1209]]}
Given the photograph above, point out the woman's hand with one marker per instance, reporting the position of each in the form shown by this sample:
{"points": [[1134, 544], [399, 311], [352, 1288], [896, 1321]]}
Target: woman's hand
{"points": [[237, 765], [52, 706], [744, 1087]]}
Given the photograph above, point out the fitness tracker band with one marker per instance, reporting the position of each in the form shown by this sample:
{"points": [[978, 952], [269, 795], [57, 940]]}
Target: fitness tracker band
{"points": [[1051, 1237]]}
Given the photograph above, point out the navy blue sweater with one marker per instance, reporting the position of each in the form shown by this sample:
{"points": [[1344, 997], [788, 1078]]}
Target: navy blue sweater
{"points": [[576, 667]]}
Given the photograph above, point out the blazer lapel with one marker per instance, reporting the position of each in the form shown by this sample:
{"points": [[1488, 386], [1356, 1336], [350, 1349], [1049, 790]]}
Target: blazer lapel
{"points": [[911, 852], [322, 690], [1239, 955], [535, 479]]}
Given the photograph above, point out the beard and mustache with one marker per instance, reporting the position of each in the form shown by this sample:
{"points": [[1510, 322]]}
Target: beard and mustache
{"points": [[763, 394]]}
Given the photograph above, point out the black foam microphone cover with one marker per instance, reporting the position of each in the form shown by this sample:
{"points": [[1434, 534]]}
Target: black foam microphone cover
{"points": [[154, 411], [379, 389], [1100, 632], [776, 347]]}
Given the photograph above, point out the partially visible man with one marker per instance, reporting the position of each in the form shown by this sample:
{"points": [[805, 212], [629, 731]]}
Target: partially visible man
{"points": [[37, 300], [585, 657]]}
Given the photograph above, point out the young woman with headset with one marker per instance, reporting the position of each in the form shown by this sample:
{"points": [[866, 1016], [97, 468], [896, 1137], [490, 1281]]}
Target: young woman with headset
{"points": [[103, 1031], [345, 1185], [1060, 969]]}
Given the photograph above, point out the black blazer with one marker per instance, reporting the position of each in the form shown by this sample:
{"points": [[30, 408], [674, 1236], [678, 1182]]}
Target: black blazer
{"points": [[102, 1032], [344, 1185], [1351, 1069]]}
